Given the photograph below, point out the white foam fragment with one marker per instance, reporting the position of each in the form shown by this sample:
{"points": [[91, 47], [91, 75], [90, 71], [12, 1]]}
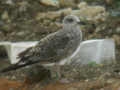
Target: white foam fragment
{"points": [[13, 49], [99, 51], [17, 48]]}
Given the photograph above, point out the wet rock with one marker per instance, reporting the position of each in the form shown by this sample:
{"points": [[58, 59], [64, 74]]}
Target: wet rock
{"points": [[118, 30], [21, 33], [82, 5], [9, 2], [3, 50], [23, 6], [50, 2], [1, 23], [115, 13], [3, 53], [92, 13], [5, 15], [66, 3], [109, 2], [117, 39], [53, 15]]}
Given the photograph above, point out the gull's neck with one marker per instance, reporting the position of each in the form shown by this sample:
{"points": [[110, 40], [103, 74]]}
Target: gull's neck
{"points": [[75, 28]]}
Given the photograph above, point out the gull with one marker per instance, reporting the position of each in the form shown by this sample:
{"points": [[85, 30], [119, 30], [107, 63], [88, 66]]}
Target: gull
{"points": [[53, 48]]}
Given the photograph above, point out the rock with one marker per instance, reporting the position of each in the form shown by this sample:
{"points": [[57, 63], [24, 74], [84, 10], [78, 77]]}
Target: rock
{"points": [[40, 16], [3, 49], [5, 15], [50, 2], [53, 15], [66, 3], [109, 2], [3, 53], [117, 39], [1, 23], [57, 14], [82, 5], [115, 13], [99, 51], [9, 2], [118, 30], [20, 33], [23, 6], [91, 13]]}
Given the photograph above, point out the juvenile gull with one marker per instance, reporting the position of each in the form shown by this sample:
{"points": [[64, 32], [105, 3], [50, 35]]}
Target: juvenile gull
{"points": [[54, 47]]}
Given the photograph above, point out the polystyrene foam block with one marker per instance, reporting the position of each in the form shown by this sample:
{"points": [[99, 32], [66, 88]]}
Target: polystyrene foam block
{"points": [[99, 51]]}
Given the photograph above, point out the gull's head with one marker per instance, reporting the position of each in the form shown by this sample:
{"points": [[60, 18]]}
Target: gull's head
{"points": [[72, 20]]}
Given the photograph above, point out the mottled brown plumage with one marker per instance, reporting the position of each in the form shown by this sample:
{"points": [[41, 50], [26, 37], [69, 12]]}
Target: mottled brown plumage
{"points": [[56, 46]]}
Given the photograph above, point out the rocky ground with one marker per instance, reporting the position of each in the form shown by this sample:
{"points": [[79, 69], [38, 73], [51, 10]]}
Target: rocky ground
{"points": [[29, 20]]}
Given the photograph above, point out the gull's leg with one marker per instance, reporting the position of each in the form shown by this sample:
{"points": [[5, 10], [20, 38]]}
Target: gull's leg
{"points": [[55, 72], [58, 71], [57, 75]]}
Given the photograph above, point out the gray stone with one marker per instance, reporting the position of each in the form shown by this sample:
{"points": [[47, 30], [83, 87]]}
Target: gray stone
{"points": [[118, 30], [9, 2], [50, 2], [91, 13]]}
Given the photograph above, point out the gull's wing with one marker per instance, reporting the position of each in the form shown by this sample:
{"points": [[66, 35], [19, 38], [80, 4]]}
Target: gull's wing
{"points": [[52, 48]]}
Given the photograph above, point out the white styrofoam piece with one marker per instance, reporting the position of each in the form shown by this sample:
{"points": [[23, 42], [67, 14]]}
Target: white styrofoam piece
{"points": [[99, 51], [16, 48], [13, 49]]}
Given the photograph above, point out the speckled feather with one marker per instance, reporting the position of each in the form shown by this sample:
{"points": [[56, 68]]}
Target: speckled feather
{"points": [[54, 47]]}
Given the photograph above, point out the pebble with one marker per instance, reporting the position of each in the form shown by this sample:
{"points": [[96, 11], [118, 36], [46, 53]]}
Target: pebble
{"points": [[5, 15], [54, 3], [118, 30]]}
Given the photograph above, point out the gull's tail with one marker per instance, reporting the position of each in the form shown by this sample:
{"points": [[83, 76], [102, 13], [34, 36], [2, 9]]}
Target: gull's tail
{"points": [[17, 66]]}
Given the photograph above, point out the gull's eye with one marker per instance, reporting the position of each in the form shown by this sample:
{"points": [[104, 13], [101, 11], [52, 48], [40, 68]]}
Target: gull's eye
{"points": [[70, 20]]}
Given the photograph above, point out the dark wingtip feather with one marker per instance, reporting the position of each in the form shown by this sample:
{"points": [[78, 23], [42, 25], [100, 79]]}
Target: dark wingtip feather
{"points": [[17, 66], [8, 69], [24, 52]]}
